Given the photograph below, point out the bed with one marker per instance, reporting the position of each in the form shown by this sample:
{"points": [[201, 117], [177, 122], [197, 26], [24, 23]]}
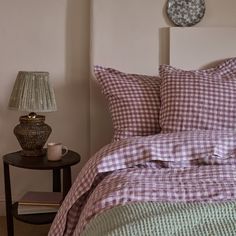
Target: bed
{"points": [[170, 168]]}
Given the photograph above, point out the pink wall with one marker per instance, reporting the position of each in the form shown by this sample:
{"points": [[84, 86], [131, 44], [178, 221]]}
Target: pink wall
{"points": [[49, 36], [132, 35], [54, 36]]}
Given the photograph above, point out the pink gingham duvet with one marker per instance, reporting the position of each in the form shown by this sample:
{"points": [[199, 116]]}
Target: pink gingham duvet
{"points": [[187, 166]]}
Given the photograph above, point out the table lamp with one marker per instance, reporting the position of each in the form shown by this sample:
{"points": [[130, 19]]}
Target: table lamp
{"points": [[32, 92]]}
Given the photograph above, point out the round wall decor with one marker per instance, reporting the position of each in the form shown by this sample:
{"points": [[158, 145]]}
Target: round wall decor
{"points": [[185, 12]]}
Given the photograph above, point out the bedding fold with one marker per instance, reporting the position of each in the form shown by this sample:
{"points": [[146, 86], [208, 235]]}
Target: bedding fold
{"points": [[176, 159]]}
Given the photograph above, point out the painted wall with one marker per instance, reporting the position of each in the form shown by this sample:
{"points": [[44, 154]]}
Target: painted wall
{"points": [[54, 36], [50, 36], [132, 35]]}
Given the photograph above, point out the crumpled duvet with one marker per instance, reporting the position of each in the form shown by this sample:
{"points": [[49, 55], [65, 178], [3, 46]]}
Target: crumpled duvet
{"points": [[176, 167]]}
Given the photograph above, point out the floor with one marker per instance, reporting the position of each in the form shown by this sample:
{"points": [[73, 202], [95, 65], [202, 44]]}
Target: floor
{"points": [[22, 229]]}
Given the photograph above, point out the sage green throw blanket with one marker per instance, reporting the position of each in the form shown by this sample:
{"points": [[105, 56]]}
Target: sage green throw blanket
{"points": [[165, 219]]}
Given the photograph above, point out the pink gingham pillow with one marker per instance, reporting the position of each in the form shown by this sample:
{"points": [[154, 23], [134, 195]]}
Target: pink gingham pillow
{"points": [[198, 99], [134, 102], [226, 68]]}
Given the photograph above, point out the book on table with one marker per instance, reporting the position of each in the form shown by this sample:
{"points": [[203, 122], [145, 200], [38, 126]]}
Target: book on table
{"points": [[32, 209], [39, 202]]}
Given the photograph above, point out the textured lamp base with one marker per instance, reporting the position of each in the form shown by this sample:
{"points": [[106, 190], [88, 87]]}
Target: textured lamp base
{"points": [[33, 153], [32, 134]]}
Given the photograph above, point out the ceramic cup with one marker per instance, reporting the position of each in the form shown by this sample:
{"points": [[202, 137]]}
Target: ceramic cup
{"points": [[55, 151]]}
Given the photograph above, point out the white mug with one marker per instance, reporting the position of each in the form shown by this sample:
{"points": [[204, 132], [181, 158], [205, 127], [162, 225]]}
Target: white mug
{"points": [[55, 151]]}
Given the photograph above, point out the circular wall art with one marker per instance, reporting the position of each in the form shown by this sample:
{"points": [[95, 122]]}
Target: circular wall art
{"points": [[185, 12]]}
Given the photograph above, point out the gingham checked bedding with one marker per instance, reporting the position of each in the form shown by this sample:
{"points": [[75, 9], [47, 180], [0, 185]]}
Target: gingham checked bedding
{"points": [[202, 99], [176, 167], [134, 101], [226, 69]]}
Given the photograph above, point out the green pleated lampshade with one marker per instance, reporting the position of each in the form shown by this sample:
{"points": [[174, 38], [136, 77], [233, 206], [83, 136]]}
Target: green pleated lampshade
{"points": [[32, 92]]}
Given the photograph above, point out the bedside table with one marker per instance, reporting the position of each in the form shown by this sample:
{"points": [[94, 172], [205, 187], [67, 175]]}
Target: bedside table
{"points": [[37, 163]]}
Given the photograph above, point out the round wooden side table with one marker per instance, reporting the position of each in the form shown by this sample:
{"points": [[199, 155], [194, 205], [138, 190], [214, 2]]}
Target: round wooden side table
{"points": [[37, 163]]}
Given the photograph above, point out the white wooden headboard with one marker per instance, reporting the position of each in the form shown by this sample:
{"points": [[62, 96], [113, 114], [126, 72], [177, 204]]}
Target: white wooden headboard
{"points": [[131, 50], [195, 47]]}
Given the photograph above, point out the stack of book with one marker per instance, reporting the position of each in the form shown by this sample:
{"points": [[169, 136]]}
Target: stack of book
{"points": [[39, 202]]}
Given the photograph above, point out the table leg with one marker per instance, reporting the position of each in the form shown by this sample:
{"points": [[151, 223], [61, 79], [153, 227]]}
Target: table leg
{"points": [[66, 180], [56, 180], [10, 225]]}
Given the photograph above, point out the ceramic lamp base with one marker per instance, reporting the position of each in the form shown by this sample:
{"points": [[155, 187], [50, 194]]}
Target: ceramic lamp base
{"points": [[32, 134]]}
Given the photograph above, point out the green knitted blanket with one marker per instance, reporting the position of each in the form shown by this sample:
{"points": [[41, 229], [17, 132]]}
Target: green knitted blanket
{"points": [[165, 219]]}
